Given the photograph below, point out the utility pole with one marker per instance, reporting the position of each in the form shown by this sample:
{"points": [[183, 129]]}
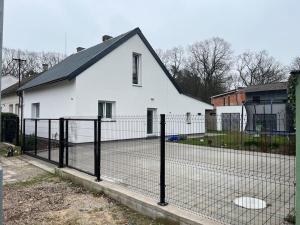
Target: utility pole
{"points": [[19, 60], [20, 110], [1, 42]]}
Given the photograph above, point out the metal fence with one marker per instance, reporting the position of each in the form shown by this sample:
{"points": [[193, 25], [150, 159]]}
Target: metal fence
{"points": [[234, 176]]}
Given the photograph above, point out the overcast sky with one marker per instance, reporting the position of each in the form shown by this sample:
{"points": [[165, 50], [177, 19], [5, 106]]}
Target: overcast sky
{"points": [[41, 25]]}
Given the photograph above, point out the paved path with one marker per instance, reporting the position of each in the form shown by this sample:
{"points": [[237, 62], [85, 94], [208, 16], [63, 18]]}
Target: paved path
{"points": [[15, 170]]}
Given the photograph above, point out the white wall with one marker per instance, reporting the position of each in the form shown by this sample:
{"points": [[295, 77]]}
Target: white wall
{"points": [[57, 100], [7, 81], [230, 109], [8, 100]]}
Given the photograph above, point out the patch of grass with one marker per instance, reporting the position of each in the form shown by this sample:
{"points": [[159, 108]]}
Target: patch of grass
{"points": [[242, 141], [35, 180]]}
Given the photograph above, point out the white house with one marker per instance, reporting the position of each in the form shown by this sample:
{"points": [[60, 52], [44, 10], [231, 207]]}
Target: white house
{"points": [[120, 76], [10, 100]]}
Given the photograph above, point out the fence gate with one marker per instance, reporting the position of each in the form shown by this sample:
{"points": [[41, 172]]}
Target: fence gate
{"points": [[230, 121]]}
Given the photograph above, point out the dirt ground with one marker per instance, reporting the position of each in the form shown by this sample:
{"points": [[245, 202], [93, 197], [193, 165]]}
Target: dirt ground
{"points": [[41, 198]]}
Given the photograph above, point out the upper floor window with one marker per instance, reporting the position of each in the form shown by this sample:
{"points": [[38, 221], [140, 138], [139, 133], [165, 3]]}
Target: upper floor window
{"points": [[106, 109], [188, 118], [35, 110], [136, 68]]}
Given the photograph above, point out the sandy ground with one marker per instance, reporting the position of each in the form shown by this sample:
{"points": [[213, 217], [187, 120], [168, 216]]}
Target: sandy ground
{"points": [[42, 198]]}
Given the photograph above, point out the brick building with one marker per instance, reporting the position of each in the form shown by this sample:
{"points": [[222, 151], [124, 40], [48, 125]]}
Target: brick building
{"points": [[229, 98]]}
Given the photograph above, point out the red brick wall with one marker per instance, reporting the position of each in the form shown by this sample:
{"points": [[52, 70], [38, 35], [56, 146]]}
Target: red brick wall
{"points": [[236, 98]]}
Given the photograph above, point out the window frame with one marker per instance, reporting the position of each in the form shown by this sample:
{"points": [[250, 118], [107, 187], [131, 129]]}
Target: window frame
{"points": [[11, 108], [17, 108], [35, 114], [188, 117], [104, 110], [138, 69]]}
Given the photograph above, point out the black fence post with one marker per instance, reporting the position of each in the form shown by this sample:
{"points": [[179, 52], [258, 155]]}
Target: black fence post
{"points": [[2, 129], [61, 143], [95, 147], [99, 149], [24, 138], [49, 139], [162, 201], [17, 131], [67, 142], [35, 137]]}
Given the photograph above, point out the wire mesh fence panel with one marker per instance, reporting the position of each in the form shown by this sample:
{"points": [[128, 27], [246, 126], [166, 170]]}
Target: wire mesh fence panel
{"points": [[206, 172], [53, 132], [80, 147], [42, 139], [130, 153]]}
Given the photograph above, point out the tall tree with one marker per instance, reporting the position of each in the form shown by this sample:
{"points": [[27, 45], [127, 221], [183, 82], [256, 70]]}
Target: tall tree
{"points": [[255, 68], [33, 64], [208, 65], [173, 59]]}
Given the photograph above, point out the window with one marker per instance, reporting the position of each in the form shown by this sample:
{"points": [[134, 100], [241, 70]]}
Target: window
{"points": [[256, 99], [105, 109], [136, 68], [188, 118], [35, 110], [224, 101], [228, 102], [17, 109], [11, 108]]}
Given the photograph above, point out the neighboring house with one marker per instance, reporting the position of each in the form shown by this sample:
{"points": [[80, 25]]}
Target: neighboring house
{"points": [[120, 76], [7, 81], [256, 108], [229, 98], [266, 107], [10, 99], [229, 112]]}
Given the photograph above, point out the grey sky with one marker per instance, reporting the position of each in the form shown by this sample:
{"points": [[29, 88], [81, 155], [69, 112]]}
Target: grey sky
{"points": [[40, 25]]}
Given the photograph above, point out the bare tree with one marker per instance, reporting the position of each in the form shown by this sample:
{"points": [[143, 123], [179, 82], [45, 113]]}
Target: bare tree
{"points": [[296, 64], [259, 68], [209, 63], [173, 59], [33, 64]]}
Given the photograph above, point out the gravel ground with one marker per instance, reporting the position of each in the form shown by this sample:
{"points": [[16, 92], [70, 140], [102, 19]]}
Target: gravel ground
{"points": [[44, 199]]}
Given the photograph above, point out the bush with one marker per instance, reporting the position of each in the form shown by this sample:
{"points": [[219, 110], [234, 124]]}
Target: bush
{"points": [[9, 127]]}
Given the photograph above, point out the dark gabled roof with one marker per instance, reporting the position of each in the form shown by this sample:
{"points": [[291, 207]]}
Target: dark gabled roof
{"points": [[267, 87], [12, 89], [75, 64]]}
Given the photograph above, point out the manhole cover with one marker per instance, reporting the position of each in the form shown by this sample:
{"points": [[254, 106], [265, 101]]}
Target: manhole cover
{"points": [[250, 203]]}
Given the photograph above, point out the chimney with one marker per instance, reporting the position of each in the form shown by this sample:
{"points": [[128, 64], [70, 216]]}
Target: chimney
{"points": [[45, 66], [106, 37], [79, 49]]}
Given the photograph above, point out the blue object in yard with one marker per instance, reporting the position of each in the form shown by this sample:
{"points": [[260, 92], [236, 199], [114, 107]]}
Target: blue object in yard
{"points": [[174, 138]]}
